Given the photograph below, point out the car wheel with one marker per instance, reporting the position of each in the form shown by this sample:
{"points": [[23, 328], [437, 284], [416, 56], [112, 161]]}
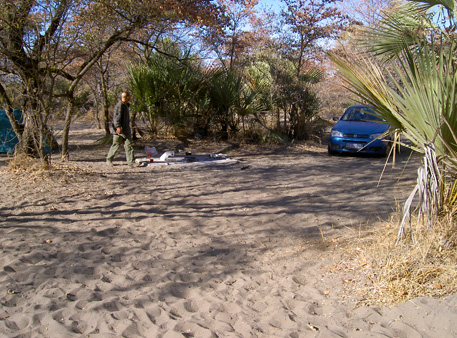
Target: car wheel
{"points": [[330, 151], [388, 149]]}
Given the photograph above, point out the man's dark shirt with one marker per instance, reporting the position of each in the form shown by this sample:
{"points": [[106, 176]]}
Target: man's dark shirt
{"points": [[121, 117]]}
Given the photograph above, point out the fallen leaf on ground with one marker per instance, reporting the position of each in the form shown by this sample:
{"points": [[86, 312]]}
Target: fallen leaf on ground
{"points": [[312, 327]]}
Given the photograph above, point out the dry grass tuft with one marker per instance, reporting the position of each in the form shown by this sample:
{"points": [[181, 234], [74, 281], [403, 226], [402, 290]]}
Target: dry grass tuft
{"points": [[394, 273], [32, 171], [21, 162]]}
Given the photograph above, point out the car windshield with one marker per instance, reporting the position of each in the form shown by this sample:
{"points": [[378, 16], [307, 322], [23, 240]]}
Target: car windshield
{"points": [[360, 114]]}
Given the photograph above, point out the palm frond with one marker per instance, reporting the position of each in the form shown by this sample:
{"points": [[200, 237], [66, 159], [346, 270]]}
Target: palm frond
{"points": [[398, 30], [414, 97], [417, 95], [105, 140], [448, 4]]}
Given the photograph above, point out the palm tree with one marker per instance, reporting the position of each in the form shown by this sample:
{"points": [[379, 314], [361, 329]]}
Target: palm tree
{"points": [[166, 86], [225, 92], [408, 74]]}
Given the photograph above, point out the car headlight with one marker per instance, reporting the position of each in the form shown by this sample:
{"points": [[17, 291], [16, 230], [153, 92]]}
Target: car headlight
{"points": [[336, 133], [377, 135]]}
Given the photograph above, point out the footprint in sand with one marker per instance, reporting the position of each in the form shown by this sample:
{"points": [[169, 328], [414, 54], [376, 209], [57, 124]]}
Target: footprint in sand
{"points": [[191, 330], [191, 306], [120, 315], [78, 326], [135, 330], [17, 322], [58, 317], [315, 310], [157, 316], [112, 306], [181, 290], [38, 317], [33, 258], [13, 301]]}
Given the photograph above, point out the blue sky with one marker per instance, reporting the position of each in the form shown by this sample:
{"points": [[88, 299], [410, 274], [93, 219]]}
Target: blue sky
{"points": [[274, 4]]}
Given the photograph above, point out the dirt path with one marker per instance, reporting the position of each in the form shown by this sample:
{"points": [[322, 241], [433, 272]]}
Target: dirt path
{"points": [[231, 251]]}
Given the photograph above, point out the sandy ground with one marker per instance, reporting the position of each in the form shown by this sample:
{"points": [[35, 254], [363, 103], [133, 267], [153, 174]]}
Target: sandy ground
{"points": [[242, 250]]}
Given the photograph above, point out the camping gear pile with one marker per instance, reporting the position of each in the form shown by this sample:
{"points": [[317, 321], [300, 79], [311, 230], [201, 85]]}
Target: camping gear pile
{"points": [[170, 158]]}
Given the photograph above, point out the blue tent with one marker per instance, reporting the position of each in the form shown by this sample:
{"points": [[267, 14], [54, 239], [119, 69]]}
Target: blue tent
{"points": [[8, 138]]}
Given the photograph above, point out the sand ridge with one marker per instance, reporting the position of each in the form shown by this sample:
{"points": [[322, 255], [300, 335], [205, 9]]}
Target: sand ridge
{"points": [[232, 251]]}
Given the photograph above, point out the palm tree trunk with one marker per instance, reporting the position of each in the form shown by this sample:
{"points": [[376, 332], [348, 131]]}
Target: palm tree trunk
{"points": [[428, 189]]}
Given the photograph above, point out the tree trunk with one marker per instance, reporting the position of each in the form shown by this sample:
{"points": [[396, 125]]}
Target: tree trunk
{"points": [[278, 119], [45, 158], [33, 138], [105, 104], [224, 127], [106, 114], [66, 129], [300, 56], [97, 114], [27, 142]]}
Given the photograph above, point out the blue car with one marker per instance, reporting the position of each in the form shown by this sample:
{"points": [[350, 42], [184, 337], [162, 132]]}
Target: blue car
{"points": [[358, 131]]}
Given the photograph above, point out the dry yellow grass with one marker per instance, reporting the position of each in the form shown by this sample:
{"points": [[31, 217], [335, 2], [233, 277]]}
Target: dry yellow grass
{"points": [[31, 170], [24, 162], [392, 273]]}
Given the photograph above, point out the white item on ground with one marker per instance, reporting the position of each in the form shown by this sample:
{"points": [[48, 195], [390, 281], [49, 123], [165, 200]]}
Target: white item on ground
{"points": [[187, 161], [219, 155], [151, 151], [166, 155]]}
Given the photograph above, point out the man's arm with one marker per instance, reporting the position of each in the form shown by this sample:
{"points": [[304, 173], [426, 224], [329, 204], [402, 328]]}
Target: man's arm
{"points": [[117, 118]]}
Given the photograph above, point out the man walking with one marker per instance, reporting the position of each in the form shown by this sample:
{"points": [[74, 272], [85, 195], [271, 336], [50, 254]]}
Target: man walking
{"points": [[123, 134]]}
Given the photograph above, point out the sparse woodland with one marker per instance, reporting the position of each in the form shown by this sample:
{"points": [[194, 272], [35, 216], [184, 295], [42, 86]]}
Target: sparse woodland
{"points": [[224, 69], [236, 69]]}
